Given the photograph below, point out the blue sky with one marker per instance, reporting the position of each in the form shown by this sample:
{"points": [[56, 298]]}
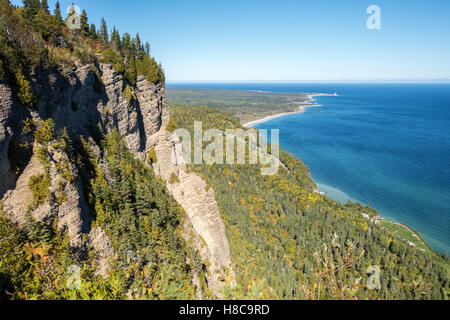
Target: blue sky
{"points": [[284, 40]]}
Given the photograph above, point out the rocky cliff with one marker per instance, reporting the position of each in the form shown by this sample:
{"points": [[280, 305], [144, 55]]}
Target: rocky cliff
{"points": [[82, 99], [199, 202], [88, 100]]}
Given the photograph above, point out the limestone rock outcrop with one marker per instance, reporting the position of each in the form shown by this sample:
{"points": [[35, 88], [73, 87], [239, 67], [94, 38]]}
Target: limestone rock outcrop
{"points": [[88, 100], [7, 124], [198, 200]]}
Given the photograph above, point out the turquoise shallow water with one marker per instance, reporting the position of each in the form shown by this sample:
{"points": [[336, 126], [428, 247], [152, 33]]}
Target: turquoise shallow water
{"points": [[383, 144]]}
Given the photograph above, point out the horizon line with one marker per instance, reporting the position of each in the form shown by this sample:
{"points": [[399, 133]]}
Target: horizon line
{"points": [[306, 81]]}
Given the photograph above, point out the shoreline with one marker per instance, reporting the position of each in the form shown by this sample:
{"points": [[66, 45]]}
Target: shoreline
{"points": [[382, 217], [307, 104]]}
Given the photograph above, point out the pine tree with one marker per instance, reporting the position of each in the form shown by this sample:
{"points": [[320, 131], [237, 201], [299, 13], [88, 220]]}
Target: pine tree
{"points": [[30, 9], [115, 39], [138, 46], [24, 91], [44, 6], [93, 32], [132, 49], [104, 36], [66, 143], [84, 23], [126, 41], [5, 7], [130, 70], [147, 48], [57, 12]]}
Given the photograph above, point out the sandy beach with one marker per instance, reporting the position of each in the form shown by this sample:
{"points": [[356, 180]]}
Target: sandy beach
{"points": [[307, 104]]}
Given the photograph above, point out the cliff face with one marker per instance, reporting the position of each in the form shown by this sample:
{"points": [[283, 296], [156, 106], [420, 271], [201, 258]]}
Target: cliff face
{"points": [[199, 202], [83, 99], [86, 100], [10, 116], [80, 99]]}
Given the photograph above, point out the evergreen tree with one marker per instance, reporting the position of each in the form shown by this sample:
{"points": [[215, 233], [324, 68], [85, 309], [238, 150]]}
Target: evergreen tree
{"points": [[57, 12], [93, 32], [44, 6], [104, 36], [84, 24], [138, 47], [132, 49], [30, 9], [147, 48], [130, 70], [115, 39], [25, 93], [126, 41]]}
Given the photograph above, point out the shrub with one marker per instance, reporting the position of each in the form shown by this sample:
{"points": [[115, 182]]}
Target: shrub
{"points": [[64, 170], [65, 143], [171, 126], [128, 94], [174, 178], [38, 232], [12, 265], [150, 69], [40, 188], [61, 194], [151, 157], [45, 131], [85, 55], [42, 156], [24, 91], [28, 126], [111, 57], [61, 56]]}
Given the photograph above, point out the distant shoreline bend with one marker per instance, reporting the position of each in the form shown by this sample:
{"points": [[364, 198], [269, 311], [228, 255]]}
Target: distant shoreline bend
{"points": [[307, 104]]}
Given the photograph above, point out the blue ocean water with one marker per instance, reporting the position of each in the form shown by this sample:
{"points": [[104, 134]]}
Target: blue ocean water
{"points": [[383, 144]]}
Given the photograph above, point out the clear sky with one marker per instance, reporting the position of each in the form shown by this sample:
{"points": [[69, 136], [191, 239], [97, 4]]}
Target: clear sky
{"points": [[285, 40]]}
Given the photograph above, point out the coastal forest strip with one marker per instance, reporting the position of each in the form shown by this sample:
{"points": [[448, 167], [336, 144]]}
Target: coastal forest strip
{"points": [[246, 105]]}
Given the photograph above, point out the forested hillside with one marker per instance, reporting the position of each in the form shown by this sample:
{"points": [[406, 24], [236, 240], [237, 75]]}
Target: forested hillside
{"points": [[142, 220], [289, 242]]}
